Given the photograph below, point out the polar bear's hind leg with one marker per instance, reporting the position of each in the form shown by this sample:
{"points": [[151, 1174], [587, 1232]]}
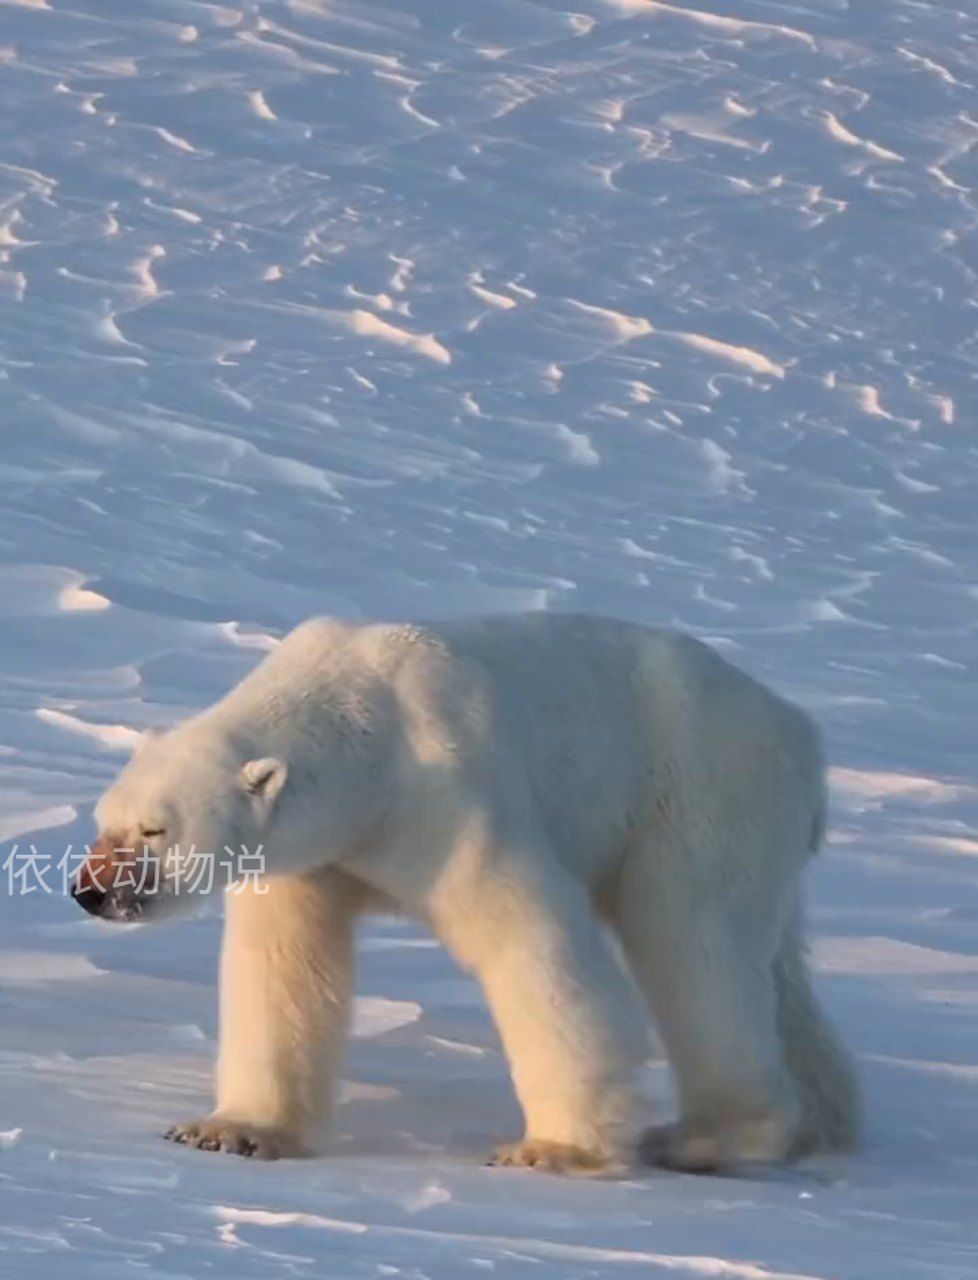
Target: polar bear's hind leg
{"points": [[815, 1057], [712, 996]]}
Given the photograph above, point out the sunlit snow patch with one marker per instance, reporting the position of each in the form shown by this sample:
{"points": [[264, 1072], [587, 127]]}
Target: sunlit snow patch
{"points": [[116, 737], [374, 1015]]}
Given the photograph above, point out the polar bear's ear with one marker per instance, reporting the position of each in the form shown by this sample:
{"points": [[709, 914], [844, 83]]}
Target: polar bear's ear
{"points": [[264, 778]]}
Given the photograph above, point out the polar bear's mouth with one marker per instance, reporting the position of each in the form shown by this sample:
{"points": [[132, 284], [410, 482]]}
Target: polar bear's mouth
{"points": [[128, 881], [112, 904], [121, 904], [119, 880]]}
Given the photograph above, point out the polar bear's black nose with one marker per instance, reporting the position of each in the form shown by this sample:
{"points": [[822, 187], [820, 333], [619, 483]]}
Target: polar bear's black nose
{"points": [[90, 897]]}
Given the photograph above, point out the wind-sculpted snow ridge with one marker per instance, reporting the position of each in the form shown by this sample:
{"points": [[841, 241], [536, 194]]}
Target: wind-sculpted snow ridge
{"points": [[661, 309]]}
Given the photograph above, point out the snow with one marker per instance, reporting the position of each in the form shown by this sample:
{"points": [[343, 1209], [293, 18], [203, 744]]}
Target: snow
{"points": [[431, 308]]}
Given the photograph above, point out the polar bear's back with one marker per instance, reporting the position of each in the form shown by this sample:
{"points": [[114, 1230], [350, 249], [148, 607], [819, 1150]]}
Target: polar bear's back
{"points": [[608, 720], [582, 685], [612, 720], [596, 722]]}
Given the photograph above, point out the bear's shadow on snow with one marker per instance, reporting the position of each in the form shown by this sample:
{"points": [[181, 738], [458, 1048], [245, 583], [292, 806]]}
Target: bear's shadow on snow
{"points": [[440, 1085]]}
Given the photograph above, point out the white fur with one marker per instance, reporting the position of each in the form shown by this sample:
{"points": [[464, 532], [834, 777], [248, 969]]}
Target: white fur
{"points": [[514, 782]]}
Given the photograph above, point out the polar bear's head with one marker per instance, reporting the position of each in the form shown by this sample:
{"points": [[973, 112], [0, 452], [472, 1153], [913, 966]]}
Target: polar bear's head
{"points": [[187, 816]]}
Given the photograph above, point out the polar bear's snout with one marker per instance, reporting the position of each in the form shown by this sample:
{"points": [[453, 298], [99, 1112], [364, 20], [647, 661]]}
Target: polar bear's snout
{"points": [[117, 879], [87, 893]]}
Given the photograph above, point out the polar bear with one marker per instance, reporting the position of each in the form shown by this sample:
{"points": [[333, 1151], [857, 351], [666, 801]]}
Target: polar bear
{"points": [[532, 788]]}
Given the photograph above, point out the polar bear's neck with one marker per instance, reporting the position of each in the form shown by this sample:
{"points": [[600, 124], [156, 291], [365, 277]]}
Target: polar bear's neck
{"points": [[315, 702]]}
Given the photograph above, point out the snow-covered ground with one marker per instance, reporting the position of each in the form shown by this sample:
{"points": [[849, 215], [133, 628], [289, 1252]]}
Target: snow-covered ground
{"points": [[433, 307]]}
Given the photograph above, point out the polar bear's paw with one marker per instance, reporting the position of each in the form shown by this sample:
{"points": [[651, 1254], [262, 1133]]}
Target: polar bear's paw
{"points": [[550, 1157], [694, 1149], [684, 1151], [219, 1134]]}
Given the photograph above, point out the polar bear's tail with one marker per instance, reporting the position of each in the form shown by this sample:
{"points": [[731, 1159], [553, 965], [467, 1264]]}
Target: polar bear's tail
{"points": [[814, 1056]]}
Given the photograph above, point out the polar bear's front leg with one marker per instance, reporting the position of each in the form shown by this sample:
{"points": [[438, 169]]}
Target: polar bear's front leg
{"points": [[567, 1016], [286, 979]]}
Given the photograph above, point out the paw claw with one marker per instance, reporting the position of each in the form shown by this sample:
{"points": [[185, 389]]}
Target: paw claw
{"points": [[235, 1138], [548, 1157]]}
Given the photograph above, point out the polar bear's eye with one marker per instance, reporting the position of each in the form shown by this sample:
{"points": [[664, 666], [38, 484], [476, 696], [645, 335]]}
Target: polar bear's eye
{"points": [[148, 833]]}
